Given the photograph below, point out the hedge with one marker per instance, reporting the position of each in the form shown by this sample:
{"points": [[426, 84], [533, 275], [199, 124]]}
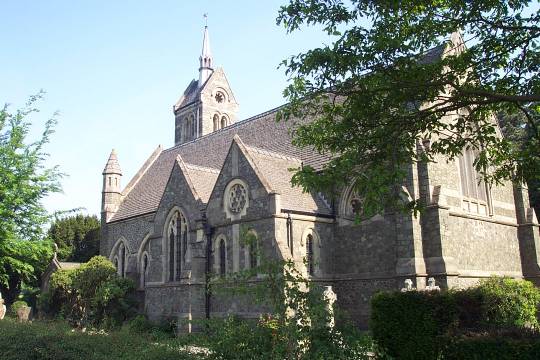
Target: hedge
{"points": [[487, 347], [421, 325]]}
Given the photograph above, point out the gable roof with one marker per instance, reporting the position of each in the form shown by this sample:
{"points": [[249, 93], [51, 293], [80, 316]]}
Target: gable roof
{"points": [[205, 155], [275, 169]]}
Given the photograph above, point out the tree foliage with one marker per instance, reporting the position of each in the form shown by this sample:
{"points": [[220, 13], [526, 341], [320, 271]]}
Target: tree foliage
{"points": [[24, 182], [92, 294], [391, 81], [77, 237]]}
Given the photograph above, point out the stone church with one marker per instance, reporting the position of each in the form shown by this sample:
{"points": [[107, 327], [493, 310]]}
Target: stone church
{"points": [[185, 210]]}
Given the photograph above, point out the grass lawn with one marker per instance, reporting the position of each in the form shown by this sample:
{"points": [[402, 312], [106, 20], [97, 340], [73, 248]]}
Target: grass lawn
{"points": [[56, 340]]}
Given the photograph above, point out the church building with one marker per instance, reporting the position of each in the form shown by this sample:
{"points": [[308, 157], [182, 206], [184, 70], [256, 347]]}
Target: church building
{"points": [[187, 207]]}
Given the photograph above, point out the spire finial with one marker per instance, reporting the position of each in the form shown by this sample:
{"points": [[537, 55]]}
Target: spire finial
{"points": [[205, 15], [205, 60]]}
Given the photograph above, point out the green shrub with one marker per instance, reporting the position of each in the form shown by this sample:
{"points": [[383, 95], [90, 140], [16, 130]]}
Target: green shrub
{"points": [[492, 347], [419, 325], [92, 294], [509, 303], [56, 340], [17, 305], [412, 325]]}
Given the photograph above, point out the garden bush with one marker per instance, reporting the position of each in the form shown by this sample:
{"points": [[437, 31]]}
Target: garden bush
{"points": [[16, 306], [56, 340], [412, 325], [481, 347], [92, 294], [420, 325]]}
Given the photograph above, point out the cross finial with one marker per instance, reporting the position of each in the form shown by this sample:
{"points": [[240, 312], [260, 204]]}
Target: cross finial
{"points": [[205, 15]]}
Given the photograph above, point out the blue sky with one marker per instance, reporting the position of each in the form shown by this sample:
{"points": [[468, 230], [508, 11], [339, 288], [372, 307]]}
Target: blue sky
{"points": [[114, 69]]}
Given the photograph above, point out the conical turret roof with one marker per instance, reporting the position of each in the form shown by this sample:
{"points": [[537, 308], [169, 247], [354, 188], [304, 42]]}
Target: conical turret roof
{"points": [[112, 166]]}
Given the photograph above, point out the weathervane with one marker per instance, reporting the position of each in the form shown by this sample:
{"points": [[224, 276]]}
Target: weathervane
{"points": [[205, 15]]}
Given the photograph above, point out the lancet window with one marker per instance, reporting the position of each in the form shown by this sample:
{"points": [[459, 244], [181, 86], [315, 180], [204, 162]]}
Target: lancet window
{"points": [[178, 245]]}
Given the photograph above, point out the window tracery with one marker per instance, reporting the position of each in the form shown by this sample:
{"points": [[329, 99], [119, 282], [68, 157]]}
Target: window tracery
{"points": [[178, 245], [237, 198], [473, 187]]}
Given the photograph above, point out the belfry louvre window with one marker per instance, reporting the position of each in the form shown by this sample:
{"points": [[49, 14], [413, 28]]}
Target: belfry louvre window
{"points": [[473, 186]]}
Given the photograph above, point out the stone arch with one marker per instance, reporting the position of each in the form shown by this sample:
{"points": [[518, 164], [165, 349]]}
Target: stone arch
{"points": [[224, 122], [119, 256], [215, 120], [175, 244], [252, 248], [349, 202], [312, 248], [221, 255], [144, 265]]}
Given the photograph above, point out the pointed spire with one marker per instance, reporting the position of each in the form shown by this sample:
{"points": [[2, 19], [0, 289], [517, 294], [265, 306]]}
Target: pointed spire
{"points": [[205, 60], [112, 166]]}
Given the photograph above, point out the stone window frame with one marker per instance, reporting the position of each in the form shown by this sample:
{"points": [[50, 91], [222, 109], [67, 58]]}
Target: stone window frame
{"points": [[224, 121], [215, 121], [173, 264], [226, 97], [226, 200], [251, 251], [120, 262], [143, 270], [347, 196], [217, 255], [317, 250]]}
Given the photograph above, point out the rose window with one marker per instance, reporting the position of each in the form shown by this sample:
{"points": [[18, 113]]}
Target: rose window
{"points": [[237, 198], [219, 97]]}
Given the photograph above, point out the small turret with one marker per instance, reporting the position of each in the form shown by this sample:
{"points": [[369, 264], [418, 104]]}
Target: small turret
{"points": [[111, 193]]}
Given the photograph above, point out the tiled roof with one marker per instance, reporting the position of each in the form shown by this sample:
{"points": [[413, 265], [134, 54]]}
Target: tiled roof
{"points": [[209, 151], [203, 180], [205, 156], [275, 169], [190, 95]]}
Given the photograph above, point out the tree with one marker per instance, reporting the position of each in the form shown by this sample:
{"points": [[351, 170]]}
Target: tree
{"points": [[516, 130], [77, 237], [24, 182], [390, 79]]}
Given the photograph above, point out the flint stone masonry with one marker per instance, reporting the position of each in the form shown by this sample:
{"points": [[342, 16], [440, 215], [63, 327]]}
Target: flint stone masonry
{"points": [[452, 241]]}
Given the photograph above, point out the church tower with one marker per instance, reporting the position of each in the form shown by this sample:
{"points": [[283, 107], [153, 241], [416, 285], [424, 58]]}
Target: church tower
{"points": [[208, 104], [111, 193]]}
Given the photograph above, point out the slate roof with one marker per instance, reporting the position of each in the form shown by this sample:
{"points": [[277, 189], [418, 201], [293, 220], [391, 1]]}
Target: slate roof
{"points": [[205, 155], [275, 169], [208, 152], [190, 95]]}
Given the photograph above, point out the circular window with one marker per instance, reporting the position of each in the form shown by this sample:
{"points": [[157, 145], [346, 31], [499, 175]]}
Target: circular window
{"points": [[237, 198], [219, 97]]}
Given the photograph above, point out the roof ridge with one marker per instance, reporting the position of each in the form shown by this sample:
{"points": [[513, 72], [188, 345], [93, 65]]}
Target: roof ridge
{"points": [[201, 168], [272, 153]]}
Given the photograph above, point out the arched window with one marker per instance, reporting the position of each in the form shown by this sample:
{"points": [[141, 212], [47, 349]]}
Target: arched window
{"points": [[253, 256], [222, 257], [144, 270], [312, 251], [216, 122], [223, 122], [177, 231], [473, 186], [310, 258], [119, 256], [171, 254]]}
